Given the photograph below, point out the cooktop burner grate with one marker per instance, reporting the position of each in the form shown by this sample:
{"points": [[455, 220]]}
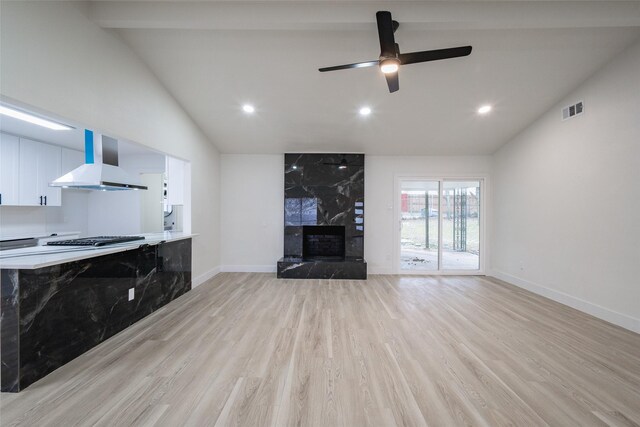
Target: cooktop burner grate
{"points": [[95, 241]]}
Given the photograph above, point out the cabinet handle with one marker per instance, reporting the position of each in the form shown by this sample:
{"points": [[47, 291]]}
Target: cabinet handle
{"points": [[0, 198], [45, 200], [40, 200]]}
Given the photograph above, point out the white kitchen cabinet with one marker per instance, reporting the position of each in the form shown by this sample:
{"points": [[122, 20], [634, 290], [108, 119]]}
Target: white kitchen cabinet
{"points": [[9, 169], [175, 170], [49, 157], [39, 165], [29, 188], [70, 159]]}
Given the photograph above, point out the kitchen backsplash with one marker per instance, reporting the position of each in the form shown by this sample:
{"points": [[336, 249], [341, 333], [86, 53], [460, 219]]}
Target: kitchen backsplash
{"points": [[37, 220]]}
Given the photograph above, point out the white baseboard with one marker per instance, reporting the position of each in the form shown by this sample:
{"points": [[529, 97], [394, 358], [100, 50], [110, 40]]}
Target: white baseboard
{"points": [[197, 281], [248, 268], [595, 310]]}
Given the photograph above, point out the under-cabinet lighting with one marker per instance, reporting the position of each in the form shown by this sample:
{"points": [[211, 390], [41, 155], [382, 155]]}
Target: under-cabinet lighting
{"points": [[21, 115]]}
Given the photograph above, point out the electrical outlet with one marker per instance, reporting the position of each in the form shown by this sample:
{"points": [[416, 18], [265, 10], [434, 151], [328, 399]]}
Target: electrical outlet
{"points": [[132, 294]]}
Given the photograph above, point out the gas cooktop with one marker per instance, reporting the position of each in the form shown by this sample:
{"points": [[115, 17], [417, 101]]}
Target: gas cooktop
{"points": [[95, 241]]}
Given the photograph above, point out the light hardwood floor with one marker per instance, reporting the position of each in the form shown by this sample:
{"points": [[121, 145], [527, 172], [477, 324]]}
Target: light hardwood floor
{"points": [[248, 349]]}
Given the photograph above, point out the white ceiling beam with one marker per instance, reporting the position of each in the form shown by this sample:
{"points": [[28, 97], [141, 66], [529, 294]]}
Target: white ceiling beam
{"points": [[360, 15]]}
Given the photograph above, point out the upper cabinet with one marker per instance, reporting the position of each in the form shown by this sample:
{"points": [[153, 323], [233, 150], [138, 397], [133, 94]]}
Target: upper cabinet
{"points": [[27, 167], [9, 152], [49, 160], [175, 171], [39, 165]]}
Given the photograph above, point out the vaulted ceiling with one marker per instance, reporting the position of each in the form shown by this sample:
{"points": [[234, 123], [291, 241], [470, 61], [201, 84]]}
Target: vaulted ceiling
{"points": [[215, 56]]}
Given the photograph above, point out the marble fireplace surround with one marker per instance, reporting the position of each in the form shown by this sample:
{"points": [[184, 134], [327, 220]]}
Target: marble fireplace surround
{"points": [[326, 201]]}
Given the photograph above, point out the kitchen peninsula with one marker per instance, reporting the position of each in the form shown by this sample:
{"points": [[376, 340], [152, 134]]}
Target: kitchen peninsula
{"points": [[57, 303]]}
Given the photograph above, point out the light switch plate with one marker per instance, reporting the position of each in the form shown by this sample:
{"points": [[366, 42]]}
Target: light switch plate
{"points": [[132, 294]]}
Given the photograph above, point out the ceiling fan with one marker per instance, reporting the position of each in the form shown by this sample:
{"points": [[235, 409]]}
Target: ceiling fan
{"points": [[390, 56]]}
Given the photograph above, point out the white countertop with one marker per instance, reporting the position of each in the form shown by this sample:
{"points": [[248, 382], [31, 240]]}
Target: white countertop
{"points": [[45, 256], [38, 235]]}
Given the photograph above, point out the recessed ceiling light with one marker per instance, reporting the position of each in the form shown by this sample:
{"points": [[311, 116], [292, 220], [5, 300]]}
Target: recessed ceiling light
{"points": [[484, 109], [365, 111], [248, 108], [21, 115]]}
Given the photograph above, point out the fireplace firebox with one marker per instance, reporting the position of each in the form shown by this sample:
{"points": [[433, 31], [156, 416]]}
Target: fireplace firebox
{"points": [[322, 242]]}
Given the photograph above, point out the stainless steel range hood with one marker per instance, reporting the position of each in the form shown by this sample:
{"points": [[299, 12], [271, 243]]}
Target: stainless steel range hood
{"points": [[100, 171]]}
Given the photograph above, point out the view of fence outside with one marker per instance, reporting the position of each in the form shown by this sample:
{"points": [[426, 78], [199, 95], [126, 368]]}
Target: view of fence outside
{"points": [[460, 226]]}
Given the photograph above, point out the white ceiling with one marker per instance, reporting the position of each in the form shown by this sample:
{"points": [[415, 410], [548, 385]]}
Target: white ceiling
{"points": [[215, 56]]}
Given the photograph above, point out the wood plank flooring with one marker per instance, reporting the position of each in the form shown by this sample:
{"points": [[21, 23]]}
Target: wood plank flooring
{"points": [[248, 349]]}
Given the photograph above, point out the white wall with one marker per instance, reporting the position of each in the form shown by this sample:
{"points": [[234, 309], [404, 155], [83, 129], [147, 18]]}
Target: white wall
{"points": [[252, 211], [567, 199], [119, 212], [253, 198], [57, 60]]}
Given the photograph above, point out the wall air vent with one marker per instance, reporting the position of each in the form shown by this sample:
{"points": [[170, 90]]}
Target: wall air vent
{"points": [[572, 110]]}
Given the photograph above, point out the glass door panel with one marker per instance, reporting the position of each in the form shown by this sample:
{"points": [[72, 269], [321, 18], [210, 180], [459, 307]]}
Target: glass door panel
{"points": [[460, 225], [419, 208]]}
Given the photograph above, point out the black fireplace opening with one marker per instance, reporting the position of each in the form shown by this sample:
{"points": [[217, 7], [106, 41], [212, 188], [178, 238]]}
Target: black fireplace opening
{"points": [[323, 242]]}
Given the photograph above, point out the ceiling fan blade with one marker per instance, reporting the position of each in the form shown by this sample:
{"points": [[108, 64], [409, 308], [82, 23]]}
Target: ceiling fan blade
{"points": [[392, 82], [347, 66], [433, 55], [385, 33]]}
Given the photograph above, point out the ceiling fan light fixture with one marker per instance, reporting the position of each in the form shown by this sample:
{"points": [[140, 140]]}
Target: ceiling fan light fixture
{"points": [[389, 65]]}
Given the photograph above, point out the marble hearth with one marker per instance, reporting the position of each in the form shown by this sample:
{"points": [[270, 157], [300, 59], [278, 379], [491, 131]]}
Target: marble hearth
{"points": [[324, 217]]}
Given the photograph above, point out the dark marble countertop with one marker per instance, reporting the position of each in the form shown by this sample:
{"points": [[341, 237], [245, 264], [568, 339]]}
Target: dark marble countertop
{"points": [[44, 256]]}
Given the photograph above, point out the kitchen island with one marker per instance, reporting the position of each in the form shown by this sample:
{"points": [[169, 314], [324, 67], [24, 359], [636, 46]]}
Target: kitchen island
{"points": [[57, 303]]}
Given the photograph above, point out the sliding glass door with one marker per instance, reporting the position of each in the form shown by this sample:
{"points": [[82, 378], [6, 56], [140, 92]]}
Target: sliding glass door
{"points": [[460, 225], [440, 225], [419, 207]]}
